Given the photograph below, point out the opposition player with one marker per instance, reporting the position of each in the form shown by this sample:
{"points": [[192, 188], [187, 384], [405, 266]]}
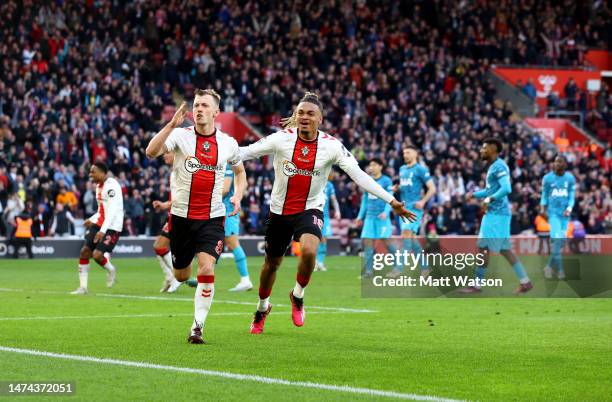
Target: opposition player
{"points": [[201, 153], [494, 234], [375, 214], [413, 177], [557, 202], [330, 197], [232, 230], [162, 242], [103, 228], [303, 158]]}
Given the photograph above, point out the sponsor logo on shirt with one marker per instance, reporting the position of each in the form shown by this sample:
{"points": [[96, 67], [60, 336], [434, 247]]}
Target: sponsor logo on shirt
{"points": [[192, 165], [290, 170]]}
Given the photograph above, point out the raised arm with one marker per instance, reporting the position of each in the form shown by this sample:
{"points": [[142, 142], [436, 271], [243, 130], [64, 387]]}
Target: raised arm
{"points": [[157, 145]]}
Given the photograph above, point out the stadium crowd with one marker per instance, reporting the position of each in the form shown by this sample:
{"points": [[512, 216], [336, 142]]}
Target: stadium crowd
{"points": [[87, 81]]}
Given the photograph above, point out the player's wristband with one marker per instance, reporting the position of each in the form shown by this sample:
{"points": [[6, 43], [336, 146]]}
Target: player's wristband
{"points": [[488, 200]]}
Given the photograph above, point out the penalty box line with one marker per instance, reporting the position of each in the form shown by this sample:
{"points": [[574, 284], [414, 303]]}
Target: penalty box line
{"points": [[229, 375], [185, 299]]}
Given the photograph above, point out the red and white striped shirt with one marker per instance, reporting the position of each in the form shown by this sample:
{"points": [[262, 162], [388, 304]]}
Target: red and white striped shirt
{"points": [[110, 206], [301, 169], [199, 171]]}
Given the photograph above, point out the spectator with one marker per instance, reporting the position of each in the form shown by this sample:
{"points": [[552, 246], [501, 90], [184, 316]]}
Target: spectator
{"points": [[63, 221], [134, 209], [66, 197], [571, 92], [386, 77], [42, 222]]}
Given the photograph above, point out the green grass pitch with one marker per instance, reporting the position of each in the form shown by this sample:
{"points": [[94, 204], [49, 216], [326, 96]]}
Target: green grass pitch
{"points": [[472, 349]]}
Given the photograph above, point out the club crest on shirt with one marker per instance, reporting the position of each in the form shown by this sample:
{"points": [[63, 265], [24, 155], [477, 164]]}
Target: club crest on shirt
{"points": [[206, 146], [305, 151]]}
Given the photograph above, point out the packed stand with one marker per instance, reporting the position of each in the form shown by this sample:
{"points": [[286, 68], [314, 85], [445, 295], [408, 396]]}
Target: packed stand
{"points": [[86, 82]]}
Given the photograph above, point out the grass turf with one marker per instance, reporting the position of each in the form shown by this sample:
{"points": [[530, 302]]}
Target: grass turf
{"points": [[477, 349]]}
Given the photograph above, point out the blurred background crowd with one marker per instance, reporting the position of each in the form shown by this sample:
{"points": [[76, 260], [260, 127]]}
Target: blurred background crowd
{"points": [[90, 80]]}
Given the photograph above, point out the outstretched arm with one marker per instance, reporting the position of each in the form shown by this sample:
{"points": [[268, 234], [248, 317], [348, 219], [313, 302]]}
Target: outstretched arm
{"points": [[347, 162], [264, 146]]}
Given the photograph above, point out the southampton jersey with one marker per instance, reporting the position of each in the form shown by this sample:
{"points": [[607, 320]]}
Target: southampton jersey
{"points": [[110, 206], [412, 180], [301, 169], [558, 192], [199, 169]]}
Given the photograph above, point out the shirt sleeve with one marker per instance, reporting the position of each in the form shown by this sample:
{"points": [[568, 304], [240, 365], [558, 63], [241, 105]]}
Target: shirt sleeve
{"points": [[481, 193], [114, 205], [363, 206], [347, 162], [332, 190], [544, 200], [389, 188], [571, 197], [425, 175], [172, 140], [264, 146], [235, 159], [505, 187]]}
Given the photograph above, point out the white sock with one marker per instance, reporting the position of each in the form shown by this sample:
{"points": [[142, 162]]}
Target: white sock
{"points": [[245, 279], [203, 299], [298, 291], [164, 266], [108, 266], [168, 258], [83, 275], [263, 304]]}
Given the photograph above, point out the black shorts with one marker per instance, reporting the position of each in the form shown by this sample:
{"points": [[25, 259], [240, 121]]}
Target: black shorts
{"points": [[280, 229], [110, 239], [190, 236], [165, 232]]}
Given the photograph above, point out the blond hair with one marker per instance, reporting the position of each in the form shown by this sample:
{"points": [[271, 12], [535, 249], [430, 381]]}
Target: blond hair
{"points": [[310, 97], [208, 91]]}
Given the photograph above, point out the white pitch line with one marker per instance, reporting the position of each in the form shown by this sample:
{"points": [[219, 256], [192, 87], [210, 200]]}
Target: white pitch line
{"points": [[91, 317], [232, 376], [190, 299]]}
